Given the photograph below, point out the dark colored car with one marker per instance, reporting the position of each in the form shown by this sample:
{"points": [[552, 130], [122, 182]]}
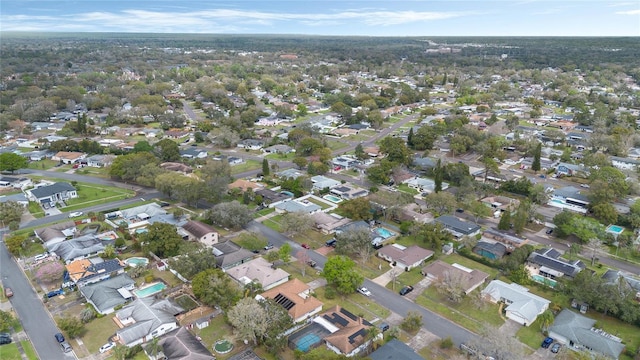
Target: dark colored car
{"points": [[405, 290], [5, 340], [311, 263], [460, 211], [59, 337], [546, 342], [555, 348], [549, 231], [331, 242], [383, 327]]}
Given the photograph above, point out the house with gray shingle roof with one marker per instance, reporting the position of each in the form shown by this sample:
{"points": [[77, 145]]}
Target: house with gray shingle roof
{"points": [[578, 332], [458, 227], [181, 344], [404, 257], [50, 195], [395, 350], [79, 248], [145, 319], [523, 307], [547, 262], [229, 254], [108, 294]]}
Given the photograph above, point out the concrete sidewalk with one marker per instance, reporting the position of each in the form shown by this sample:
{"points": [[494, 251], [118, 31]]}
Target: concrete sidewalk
{"points": [[387, 277]]}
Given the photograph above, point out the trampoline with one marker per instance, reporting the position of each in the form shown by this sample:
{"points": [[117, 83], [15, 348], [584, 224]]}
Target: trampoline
{"points": [[308, 341]]}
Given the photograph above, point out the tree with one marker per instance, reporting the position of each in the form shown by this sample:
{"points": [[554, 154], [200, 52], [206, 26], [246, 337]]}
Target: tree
{"points": [[161, 239], [300, 162], [265, 167], [120, 352], [410, 138], [252, 241], [357, 209], [15, 243], [12, 162], [248, 320], [437, 176], [606, 213], [452, 285], [72, 326], [359, 152], [216, 175], [356, 241], [231, 215], [303, 259], [520, 275], [490, 166], [396, 150], [538, 194], [278, 320], [479, 210], [7, 321], [341, 273], [50, 272], [86, 315], [424, 138], [294, 223], [441, 202], [10, 211], [607, 185], [214, 288], [195, 262], [285, 252], [412, 322], [545, 319], [167, 150], [505, 220], [535, 165]]}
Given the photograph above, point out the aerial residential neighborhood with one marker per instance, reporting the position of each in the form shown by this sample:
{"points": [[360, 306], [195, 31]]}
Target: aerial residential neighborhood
{"points": [[224, 198]]}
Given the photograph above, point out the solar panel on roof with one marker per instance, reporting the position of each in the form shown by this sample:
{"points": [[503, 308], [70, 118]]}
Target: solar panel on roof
{"points": [[337, 319], [284, 301], [361, 332], [349, 315]]}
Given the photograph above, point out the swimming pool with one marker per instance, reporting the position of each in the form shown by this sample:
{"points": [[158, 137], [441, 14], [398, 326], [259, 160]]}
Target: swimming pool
{"points": [[150, 290], [544, 280], [384, 233], [137, 261], [333, 199], [307, 342], [615, 229]]}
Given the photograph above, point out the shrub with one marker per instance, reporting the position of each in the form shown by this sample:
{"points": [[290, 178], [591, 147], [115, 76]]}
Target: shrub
{"points": [[72, 326], [446, 343], [412, 322], [50, 271], [148, 278], [329, 292], [87, 315]]}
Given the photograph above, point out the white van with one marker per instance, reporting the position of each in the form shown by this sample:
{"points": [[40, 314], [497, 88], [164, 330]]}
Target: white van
{"points": [[41, 256]]}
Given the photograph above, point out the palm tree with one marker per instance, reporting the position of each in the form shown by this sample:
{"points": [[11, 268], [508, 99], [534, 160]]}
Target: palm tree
{"points": [[546, 319], [371, 337], [154, 347]]}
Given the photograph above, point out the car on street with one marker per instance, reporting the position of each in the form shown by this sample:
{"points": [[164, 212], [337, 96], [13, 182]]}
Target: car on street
{"points": [[311, 263], [405, 290], [460, 211], [59, 337], [364, 291], [549, 231], [269, 246], [65, 346], [306, 246], [546, 342], [555, 348], [106, 347], [8, 292], [75, 214], [586, 186]]}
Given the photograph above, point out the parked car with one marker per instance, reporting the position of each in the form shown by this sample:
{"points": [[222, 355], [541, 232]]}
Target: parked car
{"points": [[8, 292], [53, 293], [5, 340], [546, 342], [460, 211], [65, 347], [383, 327], [106, 347], [332, 242], [269, 246], [586, 186], [405, 290], [41, 256], [75, 214], [555, 348], [311, 263], [549, 231], [364, 291], [306, 246], [59, 337]]}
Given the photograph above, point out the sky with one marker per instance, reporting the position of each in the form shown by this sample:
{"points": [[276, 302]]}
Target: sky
{"points": [[328, 17]]}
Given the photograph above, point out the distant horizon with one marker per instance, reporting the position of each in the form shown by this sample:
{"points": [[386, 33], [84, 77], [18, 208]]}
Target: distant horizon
{"points": [[371, 18]]}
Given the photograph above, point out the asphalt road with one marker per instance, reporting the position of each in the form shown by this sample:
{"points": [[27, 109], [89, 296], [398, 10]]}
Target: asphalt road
{"points": [[28, 305], [431, 322]]}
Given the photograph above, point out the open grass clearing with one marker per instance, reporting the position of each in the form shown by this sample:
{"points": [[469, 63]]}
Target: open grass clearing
{"points": [[90, 194], [531, 335], [28, 350], [166, 276], [407, 189], [335, 145], [42, 164], [356, 308], [247, 165], [264, 212], [10, 352], [295, 269], [35, 209], [98, 332]]}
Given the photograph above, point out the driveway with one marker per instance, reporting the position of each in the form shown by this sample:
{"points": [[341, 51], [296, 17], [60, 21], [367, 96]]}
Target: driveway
{"points": [[35, 320]]}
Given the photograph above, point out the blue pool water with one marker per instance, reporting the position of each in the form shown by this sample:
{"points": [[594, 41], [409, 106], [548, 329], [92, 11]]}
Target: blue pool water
{"points": [[543, 280], [150, 290], [307, 341], [333, 199], [137, 261], [384, 233], [141, 231], [615, 228]]}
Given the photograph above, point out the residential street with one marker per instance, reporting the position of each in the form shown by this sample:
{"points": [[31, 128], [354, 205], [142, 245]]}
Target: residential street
{"points": [[28, 305]]}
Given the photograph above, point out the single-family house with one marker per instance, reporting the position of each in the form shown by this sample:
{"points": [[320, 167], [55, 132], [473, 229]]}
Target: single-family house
{"points": [[328, 223], [193, 153], [234, 160], [490, 250], [424, 163], [244, 185], [510, 241], [548, 263], [110, 293], [570, 198], [348, 331], [501, 203], [175, 134], [523, 307], [49, 195], [251, 144], [301, 206], [395, 350], [404, 257], [290, 174], [470, 279], [571, 170], [68, 157], [578, 332], [55, 233], [271, 197], [14, 182], [295, 296], [322, 182], [201, 232], [424, 184], [279, 149], [19, 198], [181, 344], [458, 227], [344, 162], [145, 319], [349, 192], [615, 277], [98, 160], [88, 271], [82, 247], [177, 167], [229, 254], [625, 163], [258, 271]]}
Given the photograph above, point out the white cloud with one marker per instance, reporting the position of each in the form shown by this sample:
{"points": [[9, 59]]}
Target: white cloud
{"points": [[629, 12]]}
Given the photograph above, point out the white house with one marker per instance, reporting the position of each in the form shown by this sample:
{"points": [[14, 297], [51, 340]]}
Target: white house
{"points": [[145, 319], [50, 195], [201, 232], [522, 306]]}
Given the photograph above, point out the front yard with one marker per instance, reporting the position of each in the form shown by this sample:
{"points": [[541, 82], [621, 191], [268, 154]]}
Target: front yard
{"points": [[90, 194], [247, 165]]}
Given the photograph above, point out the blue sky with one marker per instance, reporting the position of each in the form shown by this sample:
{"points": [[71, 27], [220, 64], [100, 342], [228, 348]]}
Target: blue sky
{"points": [[333, 17]]}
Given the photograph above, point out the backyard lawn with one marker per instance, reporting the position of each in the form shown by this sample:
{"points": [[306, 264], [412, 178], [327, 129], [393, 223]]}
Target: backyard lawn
{"points": [[98, 332], [90, 194], [247, 165]]}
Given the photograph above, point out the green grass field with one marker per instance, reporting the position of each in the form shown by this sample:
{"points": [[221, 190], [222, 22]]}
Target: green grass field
{"points": [[90, 194], [247, 165], [98, 332]]}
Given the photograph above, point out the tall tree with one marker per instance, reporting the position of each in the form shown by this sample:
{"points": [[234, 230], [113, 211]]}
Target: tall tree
{"points": [[359, 152], [535, 166], [265, 167], [162, 240], [505, 220], [294, 223], [341, 273], [355, 242], [438, 175], [232, 215], [214, 288], [410, 138], [12, 162]]}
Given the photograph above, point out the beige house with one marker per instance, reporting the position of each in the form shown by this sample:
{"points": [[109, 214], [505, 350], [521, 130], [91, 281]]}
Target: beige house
{"points": [[405, 257], [68, 157], [295, 296], [469, 279], [201, 232], [258, 271]]}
